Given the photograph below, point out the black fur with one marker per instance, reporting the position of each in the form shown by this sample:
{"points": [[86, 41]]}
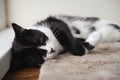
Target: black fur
{"points": [[91, 19], [57, 24], [91, 29], [115, 26], [88, 46], [27, 57], [80, 40], [27, 38], [76, 30]]}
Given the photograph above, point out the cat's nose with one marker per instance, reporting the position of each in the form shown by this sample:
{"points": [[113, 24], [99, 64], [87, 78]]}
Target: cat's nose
{"points": [[52, 50]]}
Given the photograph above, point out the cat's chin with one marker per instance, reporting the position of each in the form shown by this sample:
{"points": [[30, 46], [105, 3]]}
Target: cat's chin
{"points": [[50, 56]]}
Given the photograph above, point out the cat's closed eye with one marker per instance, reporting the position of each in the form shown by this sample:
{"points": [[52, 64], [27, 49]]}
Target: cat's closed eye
{"points": [[43, 40]]}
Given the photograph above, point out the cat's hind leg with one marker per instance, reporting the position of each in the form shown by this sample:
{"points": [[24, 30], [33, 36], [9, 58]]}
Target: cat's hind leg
{"points": [[92, 41]]}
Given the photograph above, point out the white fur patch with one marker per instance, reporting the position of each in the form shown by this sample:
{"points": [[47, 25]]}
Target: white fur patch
{"points": [[95, 38], [51, 43], [81, 26]]}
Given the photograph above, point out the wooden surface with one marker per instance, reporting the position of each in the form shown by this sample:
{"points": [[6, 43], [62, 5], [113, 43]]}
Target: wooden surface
{"points": [[24, 74]]}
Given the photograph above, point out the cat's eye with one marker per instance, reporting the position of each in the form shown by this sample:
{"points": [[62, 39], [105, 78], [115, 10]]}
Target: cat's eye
{"points": [[41, 40]]}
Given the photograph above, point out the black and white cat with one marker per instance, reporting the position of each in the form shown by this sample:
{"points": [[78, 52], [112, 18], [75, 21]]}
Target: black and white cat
{"points": [[56, 34]]}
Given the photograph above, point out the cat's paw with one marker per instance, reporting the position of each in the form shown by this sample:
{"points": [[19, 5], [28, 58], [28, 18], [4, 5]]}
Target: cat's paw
{"points": [[79, 50], [78, 53], [95, 38]]}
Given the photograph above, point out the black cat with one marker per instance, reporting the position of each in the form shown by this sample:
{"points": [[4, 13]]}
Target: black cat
{"points": [[50, 37]]}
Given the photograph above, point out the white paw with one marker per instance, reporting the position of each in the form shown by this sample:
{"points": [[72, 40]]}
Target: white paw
{"points": [[95, 38]]}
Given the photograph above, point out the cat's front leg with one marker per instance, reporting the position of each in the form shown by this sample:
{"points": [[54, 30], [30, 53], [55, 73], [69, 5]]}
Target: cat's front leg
{"points": [[92, 41]]}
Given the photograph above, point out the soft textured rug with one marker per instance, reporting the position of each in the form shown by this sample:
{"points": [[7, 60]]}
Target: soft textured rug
{"points": [[102, 64]]}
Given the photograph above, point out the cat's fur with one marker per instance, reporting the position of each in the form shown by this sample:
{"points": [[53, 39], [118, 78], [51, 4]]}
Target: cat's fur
{"points": [[56, 34]]}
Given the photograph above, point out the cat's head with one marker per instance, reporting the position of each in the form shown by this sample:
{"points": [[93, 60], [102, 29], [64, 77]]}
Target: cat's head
{"points": [[27, 39]]}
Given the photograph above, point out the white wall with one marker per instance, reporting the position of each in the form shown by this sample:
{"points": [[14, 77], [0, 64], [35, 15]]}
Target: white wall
{"points": [[27, 12], [2, 14]]}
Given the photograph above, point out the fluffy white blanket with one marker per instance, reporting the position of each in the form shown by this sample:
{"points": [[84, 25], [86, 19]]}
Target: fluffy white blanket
{"points": [[103, 63]]}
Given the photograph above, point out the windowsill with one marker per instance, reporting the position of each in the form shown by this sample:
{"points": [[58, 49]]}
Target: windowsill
{"points": [[6, 38]]}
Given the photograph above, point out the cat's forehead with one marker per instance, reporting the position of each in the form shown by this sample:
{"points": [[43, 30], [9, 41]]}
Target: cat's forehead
{"points": [[33, 32], [30, 38]]}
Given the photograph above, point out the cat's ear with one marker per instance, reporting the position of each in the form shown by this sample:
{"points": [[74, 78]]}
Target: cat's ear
{"points": [[17, 29]]}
